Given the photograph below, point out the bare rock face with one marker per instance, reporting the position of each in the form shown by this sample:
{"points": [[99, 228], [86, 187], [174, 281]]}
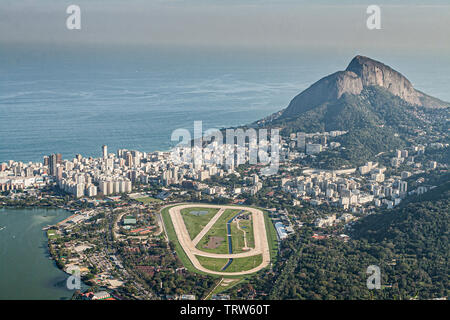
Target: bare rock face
{"points": [[374, 73], [362, 72], [347, 82], [326, 89]]}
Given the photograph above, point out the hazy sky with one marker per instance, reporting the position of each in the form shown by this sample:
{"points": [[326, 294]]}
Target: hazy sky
{"points": [[280, 24]]}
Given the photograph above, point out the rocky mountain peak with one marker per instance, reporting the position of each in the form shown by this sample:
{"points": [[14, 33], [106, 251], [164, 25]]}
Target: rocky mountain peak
{"points": [[374, 73], [361, 73]]}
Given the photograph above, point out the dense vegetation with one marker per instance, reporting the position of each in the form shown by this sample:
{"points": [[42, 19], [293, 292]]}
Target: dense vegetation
{"points": [[162, 271], [376, 121], [409, 244]]}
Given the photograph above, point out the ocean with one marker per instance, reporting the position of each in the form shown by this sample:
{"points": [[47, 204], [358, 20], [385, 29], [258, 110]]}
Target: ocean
{"points": [[73, 100]]}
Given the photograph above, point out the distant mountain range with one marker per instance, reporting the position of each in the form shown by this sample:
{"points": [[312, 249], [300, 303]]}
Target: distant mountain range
{"points": [[369, 99]]}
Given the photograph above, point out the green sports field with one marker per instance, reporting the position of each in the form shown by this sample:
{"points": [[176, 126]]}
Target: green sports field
{"points": [[246, 226], [194, 221], [238, 264], [178, 248], [219, 230], [196, 218], [148, 200]]}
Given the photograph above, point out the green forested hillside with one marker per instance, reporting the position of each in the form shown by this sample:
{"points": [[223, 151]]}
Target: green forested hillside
{"points": [[376, 121], [374, 107], [409, 244]]}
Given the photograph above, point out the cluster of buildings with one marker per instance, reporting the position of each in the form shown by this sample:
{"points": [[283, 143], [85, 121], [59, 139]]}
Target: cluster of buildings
{"points": [[357, 189], [116, 173], [282, 223], [331, 220], [101, 295], [313, 143], [346, 188], [336, 188], [18, 175], [403, 156], [190, 167], [89, 176]]}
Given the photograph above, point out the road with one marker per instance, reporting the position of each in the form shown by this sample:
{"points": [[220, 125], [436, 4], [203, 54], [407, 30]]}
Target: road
{"points": [[116, 224], [208, 226], [245, 247], [259, 231]]}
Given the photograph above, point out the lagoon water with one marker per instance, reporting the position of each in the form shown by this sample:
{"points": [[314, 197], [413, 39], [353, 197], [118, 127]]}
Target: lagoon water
{"points": [[73, 100], [26, 272]]}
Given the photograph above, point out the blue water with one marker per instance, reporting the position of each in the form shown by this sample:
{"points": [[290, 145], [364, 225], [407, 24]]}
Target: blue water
{"points": [[230, 242], [73, 100], [26, 272]]}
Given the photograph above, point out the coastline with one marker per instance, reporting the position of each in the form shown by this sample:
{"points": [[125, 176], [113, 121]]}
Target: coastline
{"points": [[40, 207], [51, 281]]}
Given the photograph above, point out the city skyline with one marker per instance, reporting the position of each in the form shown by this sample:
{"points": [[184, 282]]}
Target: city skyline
{"points": [[247, 151]]}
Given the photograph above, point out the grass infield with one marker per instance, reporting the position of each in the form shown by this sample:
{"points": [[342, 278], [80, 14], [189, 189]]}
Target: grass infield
{"points": [[195, 223], [247, 262], [238, 264]]}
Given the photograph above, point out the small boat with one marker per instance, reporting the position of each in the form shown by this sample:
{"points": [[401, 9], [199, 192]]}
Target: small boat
{"points": [[2, 228]]}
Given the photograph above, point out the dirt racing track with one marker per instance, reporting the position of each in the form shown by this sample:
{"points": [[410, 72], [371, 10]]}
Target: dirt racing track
{"points": [[189, 246]]}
